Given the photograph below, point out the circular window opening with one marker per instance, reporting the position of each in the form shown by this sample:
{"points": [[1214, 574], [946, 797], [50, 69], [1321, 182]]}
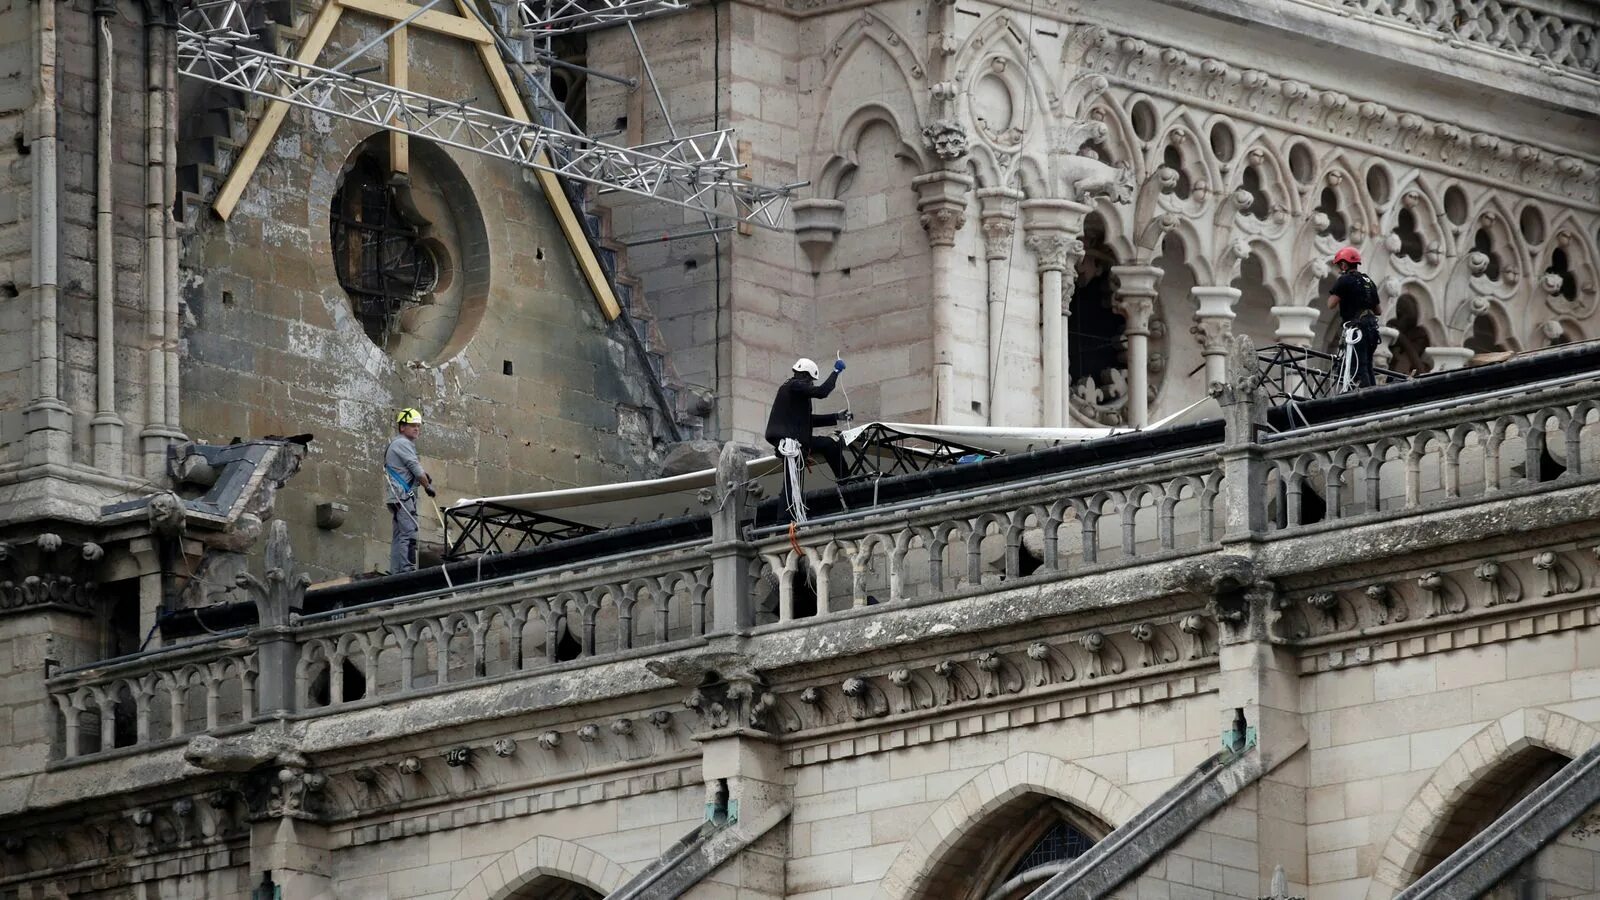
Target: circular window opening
{"points": [[1532, 223], [410, 250], [1222, 142], [439, 262], [1378, 184], [1144, 120], [992, 106], [377, 247], [1302, 165], [1455, 205]]}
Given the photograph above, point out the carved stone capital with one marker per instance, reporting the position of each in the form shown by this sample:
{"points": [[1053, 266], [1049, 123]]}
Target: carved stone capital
{"points": [[998, 232], [1055, 251], [941, 224], [1214, 317]]}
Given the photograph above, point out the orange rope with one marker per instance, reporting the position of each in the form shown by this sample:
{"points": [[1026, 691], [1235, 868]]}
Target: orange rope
{"points": [[795, 542]]}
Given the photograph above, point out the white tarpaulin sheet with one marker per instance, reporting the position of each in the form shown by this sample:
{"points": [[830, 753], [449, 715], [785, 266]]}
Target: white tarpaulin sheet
{"points": [[631, 502]]}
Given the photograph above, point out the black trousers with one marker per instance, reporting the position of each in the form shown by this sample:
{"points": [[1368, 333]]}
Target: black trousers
{"points": [[1367, 327]]}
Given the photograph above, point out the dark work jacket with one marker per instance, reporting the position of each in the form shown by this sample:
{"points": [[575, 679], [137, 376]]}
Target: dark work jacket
{"points": [[791, 409], [1357, 295]]}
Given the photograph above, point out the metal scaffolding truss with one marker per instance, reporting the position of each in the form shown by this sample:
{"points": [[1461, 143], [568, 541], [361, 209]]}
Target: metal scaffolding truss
{"points": [[219, 42], [570, 16]]}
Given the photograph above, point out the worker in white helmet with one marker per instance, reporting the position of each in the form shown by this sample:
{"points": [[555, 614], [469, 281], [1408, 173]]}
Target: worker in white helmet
{"points": [[403, 473], [793, 420]]}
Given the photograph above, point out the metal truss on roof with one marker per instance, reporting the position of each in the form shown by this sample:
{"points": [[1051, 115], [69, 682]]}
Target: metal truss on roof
{"points": [[219, 42], [569, 16]]}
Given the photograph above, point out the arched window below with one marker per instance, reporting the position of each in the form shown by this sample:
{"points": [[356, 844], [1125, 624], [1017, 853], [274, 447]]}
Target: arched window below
{"points": [[551, 887], [1015, 851]]}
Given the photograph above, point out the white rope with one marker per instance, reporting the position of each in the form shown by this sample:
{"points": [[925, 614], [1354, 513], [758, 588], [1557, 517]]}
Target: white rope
{"points": [[1347, 368], [790, 450]]}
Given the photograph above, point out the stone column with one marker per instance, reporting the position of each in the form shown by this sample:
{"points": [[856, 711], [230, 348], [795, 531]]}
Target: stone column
{"points": [[1213, 319], [46, 419], [1053, 228], [998, 208], [942, 201], [1296, 324], [1296, 327], [731, 609], [1135, 301], [1446, 359]]}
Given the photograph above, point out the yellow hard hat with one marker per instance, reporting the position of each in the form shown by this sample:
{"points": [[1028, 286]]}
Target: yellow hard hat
{"points": [[409, 416]]}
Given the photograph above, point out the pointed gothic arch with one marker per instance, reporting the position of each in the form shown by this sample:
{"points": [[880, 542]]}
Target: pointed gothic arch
{"points": [[1578, 292], [545, 861], [1003, 787], [1465, 786], [843, 160]]}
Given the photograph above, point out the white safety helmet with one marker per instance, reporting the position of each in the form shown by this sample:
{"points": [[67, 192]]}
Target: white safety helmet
{"points": [[806, 366]]}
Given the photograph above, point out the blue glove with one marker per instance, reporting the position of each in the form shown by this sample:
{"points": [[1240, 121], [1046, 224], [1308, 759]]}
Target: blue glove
{"points": [[838, 365]]}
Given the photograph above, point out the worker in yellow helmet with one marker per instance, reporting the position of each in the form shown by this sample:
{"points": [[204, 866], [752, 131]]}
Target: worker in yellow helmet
{"points": [[402, 470]]}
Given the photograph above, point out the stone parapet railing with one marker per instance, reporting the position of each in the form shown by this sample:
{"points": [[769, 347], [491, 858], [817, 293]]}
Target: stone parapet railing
{"points": [[157, 699], [1537, 32], [1060, 521], [1054, 527], [1394, 465]]}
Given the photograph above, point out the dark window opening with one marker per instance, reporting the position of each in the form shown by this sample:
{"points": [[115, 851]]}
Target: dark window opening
{"points": [[505, 367], [1485, 336], [1408, 349], [1028, 562], [1411, 243], [1560, 268], [1483, 242], [1062, 843], [568, 647], [1259, 207], [1173, 160], [380, 260], [1338, 227]]}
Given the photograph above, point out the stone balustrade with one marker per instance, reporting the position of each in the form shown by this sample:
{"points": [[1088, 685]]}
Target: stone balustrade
{"points": [[1398, 465], [1532, 31], [1048, 526], [157, 699]]}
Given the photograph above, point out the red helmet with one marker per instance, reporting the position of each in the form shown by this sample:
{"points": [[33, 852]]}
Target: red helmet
{"points": [[1348, 255]]}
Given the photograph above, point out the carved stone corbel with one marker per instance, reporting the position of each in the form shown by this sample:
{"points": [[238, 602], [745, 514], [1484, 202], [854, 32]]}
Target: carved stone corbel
{"points": [[865, 699], [999, 675], [911, 689], [1499, 583], [1049, 664], [1193, 627], [1435, 589], [959, 684], [1559, 575], [1104, 658]]}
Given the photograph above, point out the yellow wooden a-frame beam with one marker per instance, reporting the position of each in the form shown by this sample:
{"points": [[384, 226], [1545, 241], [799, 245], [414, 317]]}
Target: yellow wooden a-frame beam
{"points": [[463, 27]]}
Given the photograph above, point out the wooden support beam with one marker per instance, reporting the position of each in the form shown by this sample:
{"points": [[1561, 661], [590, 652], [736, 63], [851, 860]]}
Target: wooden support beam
{"points": [[400, 77], [465, 27], [566, 216], [250, 157], [462, 27]]}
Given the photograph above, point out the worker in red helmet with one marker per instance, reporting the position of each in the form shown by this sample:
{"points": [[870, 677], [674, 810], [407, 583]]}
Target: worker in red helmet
{"points": [[1356, 298]]}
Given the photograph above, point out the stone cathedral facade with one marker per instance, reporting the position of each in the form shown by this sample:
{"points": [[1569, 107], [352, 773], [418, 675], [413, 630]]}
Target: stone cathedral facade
{"points": [[1350, 655]]}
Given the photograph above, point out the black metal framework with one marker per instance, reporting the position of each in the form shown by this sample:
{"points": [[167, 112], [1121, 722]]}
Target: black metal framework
{"points": [[377, 252], [1062, 843], [1296, 374], [495, 528], [904, 453]]}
